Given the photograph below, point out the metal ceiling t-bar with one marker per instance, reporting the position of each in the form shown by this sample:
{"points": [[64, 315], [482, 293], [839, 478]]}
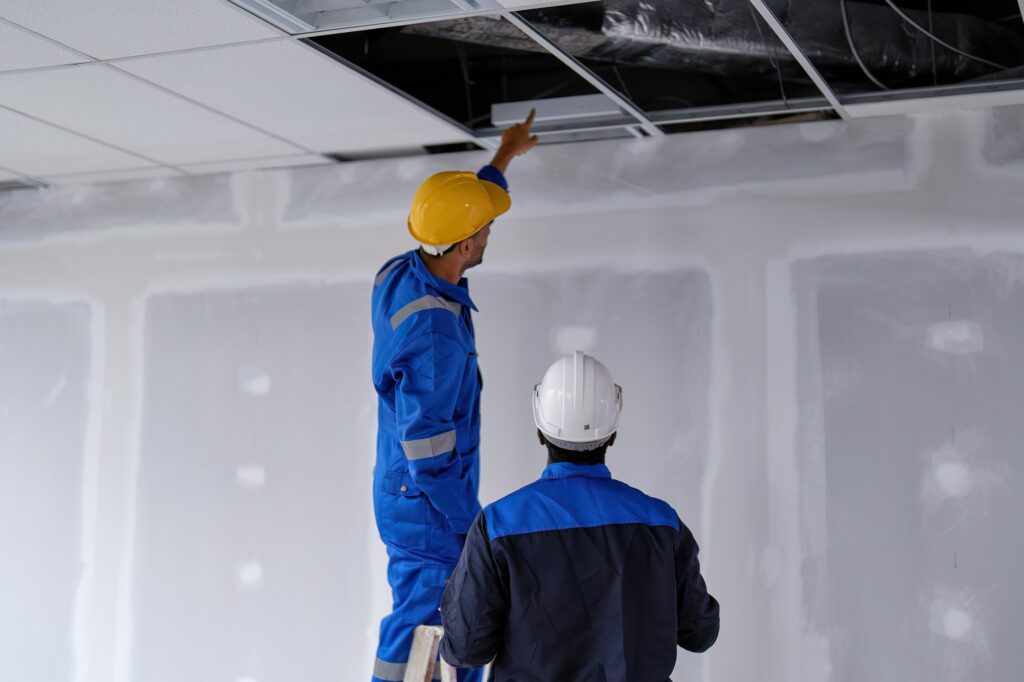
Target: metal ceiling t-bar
{"points": [[582, 71], [773, 22]]}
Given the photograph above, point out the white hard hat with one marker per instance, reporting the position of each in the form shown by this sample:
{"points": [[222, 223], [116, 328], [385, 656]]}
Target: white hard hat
{"points": [[576, 406]]}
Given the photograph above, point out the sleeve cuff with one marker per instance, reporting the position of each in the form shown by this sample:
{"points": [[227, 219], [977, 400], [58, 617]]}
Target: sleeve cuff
{"points": [[492, 174]]}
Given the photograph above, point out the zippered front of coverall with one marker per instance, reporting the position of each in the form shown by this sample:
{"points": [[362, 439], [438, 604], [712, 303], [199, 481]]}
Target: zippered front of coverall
{"points": [[427, 470]]}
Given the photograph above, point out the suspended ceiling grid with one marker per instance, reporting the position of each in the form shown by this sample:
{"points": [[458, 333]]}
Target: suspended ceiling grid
{"points": [[119, 89], [102, 91]]}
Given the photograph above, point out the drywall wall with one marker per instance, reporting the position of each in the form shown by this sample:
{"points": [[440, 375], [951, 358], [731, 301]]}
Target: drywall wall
{"points": [[799, 316], [909, 444], [44, 438]]}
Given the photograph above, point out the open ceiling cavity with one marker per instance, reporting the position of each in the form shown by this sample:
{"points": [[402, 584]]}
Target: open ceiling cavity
{"points": [[462, 68], [461, 79], [694, 64], [870, 46]]}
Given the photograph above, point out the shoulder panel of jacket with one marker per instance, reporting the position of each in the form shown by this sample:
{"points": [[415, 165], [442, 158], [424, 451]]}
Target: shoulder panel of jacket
{"points": [[577, 502]]}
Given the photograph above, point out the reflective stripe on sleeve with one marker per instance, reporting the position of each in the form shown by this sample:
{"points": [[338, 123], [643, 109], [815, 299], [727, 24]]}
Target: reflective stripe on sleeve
{"points": [[422, 448], [385, 272], [424, 303]]}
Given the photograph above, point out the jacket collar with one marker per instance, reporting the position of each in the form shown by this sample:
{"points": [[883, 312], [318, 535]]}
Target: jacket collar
{"points": [[569, 470], [458, 293]]}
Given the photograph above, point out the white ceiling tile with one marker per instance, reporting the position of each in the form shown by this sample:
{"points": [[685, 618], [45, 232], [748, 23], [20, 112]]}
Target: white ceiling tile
{"points": [[106, 29], [111, 176], [296, 92], [253, 164], [38, 149], [114, 107], [20, 49]]}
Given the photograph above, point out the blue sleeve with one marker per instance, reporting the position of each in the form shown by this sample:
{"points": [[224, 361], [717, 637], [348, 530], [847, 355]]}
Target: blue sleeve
{"points": [[492, 174], [698, 619], [428, 375], [475, 604]]}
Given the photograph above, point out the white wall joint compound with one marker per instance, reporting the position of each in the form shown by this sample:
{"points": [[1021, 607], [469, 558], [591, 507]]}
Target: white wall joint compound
{"points": [[819, 330]]}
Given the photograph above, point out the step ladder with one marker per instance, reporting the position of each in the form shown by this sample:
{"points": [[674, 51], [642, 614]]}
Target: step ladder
{"points": [[423, 657]]}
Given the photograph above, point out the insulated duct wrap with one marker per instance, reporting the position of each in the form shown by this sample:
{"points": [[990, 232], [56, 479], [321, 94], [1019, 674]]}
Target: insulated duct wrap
{"points": [[728, 38]]}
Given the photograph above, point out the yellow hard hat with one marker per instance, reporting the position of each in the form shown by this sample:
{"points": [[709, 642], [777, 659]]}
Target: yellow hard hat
{"points": [[451, 206]]}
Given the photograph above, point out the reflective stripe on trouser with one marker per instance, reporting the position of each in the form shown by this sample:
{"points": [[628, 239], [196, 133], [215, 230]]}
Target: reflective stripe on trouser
{"points": [[395, 672], [416, 588]]}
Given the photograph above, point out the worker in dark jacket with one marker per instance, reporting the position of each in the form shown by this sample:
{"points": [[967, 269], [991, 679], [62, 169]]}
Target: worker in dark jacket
{"points": [[577, 577]]}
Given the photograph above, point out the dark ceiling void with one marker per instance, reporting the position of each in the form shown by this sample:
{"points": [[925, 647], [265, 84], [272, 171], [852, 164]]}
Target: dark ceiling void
{"points": [[654, 54], [876, 45], [461, 67], [724, 44], [667, 55], [677, 60], [458, 78]]}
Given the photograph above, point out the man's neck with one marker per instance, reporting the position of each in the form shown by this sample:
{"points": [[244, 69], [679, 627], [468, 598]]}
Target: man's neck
{"points": [[445, 268], [552, 460]]}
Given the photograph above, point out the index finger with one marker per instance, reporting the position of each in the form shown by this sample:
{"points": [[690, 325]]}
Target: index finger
{"points": [[529, 119]]}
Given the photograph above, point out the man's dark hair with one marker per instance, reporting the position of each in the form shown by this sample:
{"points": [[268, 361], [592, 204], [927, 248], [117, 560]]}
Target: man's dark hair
{"points": [[557, 454]]}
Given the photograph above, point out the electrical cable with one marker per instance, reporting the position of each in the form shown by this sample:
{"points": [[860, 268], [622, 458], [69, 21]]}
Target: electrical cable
{"points": [[939, 40], [771, 59], [622, 82], [853, 49], [460, 51], [931, 27]]}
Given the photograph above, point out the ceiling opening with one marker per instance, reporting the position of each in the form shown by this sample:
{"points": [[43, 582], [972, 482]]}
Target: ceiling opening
{"points": [[676, 62], [677, 55], [459, 67], [874, 46], [693, 64]]}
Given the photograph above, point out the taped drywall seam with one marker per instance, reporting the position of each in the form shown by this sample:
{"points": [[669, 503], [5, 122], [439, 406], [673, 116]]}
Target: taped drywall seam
{"points": [[720, 377], [85, 602], [784, 553], [125, 606]]}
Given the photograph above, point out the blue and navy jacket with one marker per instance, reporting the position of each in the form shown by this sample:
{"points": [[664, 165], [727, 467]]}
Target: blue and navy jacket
{"points": [[577, 578], [428, 419]]}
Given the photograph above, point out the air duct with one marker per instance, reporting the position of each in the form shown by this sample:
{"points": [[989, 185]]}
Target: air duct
{"points": [[727, 39]]}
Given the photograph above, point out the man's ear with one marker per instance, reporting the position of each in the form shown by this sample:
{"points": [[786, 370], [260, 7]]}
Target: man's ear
{"points": [[541, 438], [611, 441]]}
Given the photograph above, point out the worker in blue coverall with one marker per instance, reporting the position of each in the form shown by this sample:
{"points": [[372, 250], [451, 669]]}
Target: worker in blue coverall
{"points": [[577, 577], [428, 384]]}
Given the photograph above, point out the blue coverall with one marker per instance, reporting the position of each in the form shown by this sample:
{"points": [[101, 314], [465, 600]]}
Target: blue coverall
{"points": [[575, 578], [427, 472]]}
